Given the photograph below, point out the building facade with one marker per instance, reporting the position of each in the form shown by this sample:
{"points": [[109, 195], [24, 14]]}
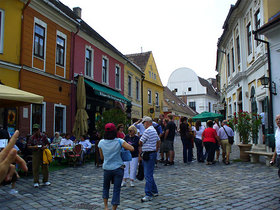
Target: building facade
{"points": [[242, 61], [46, 59], [271, 31], [196, 92], [152, 86], [10, 41], [133, 77]]}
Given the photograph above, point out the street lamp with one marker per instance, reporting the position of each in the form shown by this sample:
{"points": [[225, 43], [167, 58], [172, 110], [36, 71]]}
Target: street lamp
{"points": [[265, 81]]}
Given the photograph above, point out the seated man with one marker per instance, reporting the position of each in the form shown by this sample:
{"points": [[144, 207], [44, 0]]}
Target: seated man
{"points": [[66, 142], [86, 146]]}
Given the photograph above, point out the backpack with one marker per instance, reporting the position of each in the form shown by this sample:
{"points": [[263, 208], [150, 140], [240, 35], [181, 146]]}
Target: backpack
{"points": [[47, 156], [157, 129]]}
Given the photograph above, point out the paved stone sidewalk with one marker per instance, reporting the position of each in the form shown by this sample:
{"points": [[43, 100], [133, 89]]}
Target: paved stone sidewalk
{"points": [[195, 186]]}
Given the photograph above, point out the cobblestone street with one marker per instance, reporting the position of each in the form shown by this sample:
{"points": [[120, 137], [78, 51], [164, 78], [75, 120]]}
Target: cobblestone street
{"points": [[194, 186]]}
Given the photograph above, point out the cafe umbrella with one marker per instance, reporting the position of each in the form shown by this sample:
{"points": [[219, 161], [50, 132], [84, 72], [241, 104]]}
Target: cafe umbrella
{"points": [[81, 124], [204, 116], [12, 97]]}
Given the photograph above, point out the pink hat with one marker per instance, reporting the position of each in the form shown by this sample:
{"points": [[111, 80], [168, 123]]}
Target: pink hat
{"points": [[110, 127]]}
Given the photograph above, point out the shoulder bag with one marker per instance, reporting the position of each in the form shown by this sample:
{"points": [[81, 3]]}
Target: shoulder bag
{"points": [[230, 138], [125, 154]]}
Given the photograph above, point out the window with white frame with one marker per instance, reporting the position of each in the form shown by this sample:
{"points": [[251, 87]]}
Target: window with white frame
{"points": [[105, 70], [137, 90], [149, 97], [157, 99], [232, 59], [118, 77], [38, 116], [129, 85], [59, 118], [60, 50], [249, 38], [2, 16], [257, 22], [39, 40], [89, 62]]}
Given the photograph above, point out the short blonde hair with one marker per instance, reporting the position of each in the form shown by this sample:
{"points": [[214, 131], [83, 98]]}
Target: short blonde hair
{"points": [[133, 128]]}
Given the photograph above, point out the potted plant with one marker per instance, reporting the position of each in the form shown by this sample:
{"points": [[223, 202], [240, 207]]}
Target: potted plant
{"points": [[242, 123]]}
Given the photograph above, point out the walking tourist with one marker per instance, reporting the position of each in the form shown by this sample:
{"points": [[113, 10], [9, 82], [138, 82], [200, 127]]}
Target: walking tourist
{"points": [[224, 132], [150, 145], [131, 166], [276, 155], [163, 145], [198, 141], [109, 150], [186, 139], [210, 138], [169, 139], [37, 144], [216, 126]]}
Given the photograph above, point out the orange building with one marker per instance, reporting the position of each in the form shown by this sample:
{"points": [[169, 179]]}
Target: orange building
{"points": [[45, 59]]}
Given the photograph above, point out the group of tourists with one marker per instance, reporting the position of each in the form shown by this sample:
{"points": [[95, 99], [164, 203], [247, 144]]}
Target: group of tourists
{"points": [[148, 141], [153, 141]]}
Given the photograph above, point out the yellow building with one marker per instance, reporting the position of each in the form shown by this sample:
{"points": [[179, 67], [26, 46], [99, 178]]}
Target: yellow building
{"points": [[152, 86], [10, 45], [133, 76], [10, 40]]}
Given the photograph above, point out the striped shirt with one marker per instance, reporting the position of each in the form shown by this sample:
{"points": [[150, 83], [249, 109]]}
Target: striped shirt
{"points": [[149, 139]]}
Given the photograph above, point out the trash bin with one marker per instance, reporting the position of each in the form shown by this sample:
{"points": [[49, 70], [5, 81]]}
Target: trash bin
{"points": [[270, 140]]}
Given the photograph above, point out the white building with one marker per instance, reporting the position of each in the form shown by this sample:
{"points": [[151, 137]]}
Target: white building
{"points": [[195, 91], [242, 61], [271, 30]]}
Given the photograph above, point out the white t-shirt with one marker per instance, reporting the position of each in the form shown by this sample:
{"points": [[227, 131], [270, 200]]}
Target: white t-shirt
{"points": [[66, 142], [277, 141], [199, 132]]}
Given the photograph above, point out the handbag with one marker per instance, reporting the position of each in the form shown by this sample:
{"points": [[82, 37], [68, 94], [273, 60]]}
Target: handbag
{"points": [[145, 156], [140, 173], [125, 154], [230, 138]]}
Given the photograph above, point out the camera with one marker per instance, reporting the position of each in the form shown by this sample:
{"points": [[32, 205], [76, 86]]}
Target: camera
{"points": [[271, 163]]}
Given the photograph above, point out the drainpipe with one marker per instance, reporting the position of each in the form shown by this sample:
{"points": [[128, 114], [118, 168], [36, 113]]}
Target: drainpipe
{"points": [[143, 77], [270, 115], [20, 58], [21, 36], [72, 62]]}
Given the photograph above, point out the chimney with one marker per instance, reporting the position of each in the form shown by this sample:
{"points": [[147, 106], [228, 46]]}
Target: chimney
{"points": [[78, 11]]}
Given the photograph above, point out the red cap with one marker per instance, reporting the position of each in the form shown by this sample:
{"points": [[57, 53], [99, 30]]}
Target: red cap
{"points": [[110, 127]]}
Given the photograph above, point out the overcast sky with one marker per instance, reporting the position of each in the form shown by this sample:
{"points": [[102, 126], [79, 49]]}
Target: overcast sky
{"points": [[180, 33]]}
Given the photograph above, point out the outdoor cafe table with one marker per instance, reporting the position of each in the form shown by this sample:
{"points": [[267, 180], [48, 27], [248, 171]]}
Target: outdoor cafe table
{"points": [[61, 151]]}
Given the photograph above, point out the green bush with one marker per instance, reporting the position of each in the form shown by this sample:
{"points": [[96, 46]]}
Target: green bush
{"points": [[115, 116]]}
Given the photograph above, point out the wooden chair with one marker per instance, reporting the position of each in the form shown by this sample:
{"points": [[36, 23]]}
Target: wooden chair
{"points": [[75, 155]]}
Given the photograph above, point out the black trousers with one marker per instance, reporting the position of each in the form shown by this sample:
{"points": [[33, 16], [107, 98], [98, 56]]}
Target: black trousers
{"points": [[210, 149]]}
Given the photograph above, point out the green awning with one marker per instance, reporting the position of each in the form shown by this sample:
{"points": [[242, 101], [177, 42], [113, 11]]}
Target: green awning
{"points": [[107, 92]]}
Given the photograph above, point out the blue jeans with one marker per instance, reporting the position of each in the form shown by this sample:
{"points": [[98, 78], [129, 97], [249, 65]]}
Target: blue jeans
{"points": [[199, 149], [117, 176], [187, 149], [149, 165]]}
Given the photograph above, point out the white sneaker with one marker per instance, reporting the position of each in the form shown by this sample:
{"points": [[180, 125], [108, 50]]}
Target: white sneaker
{"points": [[123, 184], [146, 198], [13, 191], [132, 183], [36, 185], [47, 183]]}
